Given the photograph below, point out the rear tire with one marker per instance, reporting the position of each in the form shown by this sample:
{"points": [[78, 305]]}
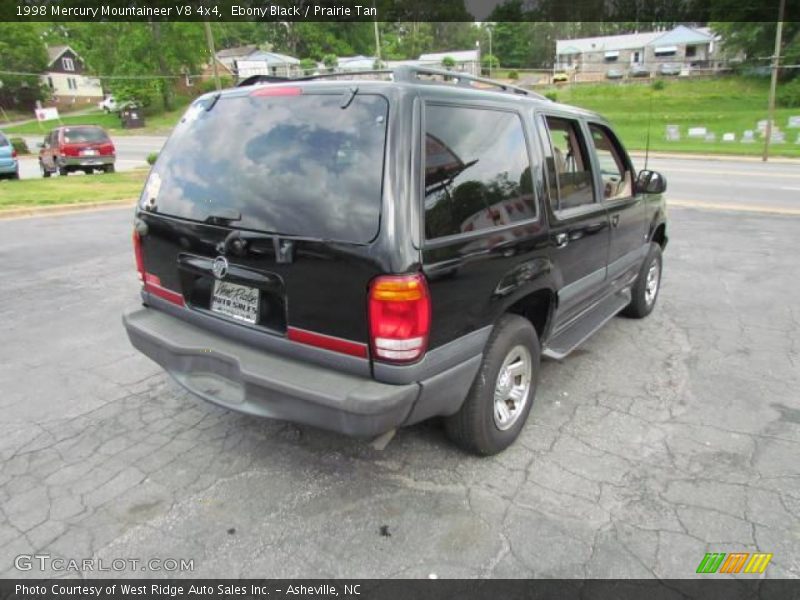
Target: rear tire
{"points": [[501, 396], [15, 175], [45, 172], [108, 169], [63, 172], [645, 291]]}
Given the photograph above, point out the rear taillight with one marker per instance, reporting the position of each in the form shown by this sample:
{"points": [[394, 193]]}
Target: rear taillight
{"points": [[13, 154], [67, 150], [106, 149], [399, 317], [137, 251], [152, 283]]}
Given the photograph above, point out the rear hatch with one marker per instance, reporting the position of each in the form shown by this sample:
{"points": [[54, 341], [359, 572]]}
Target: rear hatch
{"points": [[261, 209], [85, 140]]}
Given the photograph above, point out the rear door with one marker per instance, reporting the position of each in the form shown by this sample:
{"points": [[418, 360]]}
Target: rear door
{"points": [[262, 208], [579, 236], [614, 178]]}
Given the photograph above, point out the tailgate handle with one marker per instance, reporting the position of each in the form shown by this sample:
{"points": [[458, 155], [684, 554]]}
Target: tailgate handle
{"points": [[284, 251]]}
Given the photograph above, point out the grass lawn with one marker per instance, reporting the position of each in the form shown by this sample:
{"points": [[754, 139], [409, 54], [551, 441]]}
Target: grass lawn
{"points": [[72, 189], [160, 124], [724, 104]]}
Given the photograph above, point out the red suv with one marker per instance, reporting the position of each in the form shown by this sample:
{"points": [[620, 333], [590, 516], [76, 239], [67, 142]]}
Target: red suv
{"points": [[77, 148]]}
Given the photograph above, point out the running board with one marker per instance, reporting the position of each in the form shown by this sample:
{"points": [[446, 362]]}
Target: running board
{"points": [[579, 330]]}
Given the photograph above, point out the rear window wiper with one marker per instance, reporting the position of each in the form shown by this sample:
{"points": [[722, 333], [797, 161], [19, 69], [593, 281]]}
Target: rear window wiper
{"points": [[348, 97], [223, 217]]}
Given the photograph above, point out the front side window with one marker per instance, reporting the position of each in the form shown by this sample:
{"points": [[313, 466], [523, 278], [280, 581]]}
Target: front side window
{"points": [[477, 171], [570, 172], [614, 171]]}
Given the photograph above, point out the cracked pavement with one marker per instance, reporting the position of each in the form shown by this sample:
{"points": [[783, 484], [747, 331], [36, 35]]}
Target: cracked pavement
{"points": [[657, 441]]}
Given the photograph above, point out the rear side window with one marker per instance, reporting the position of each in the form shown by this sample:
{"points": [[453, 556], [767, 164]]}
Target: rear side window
{"points": [[569, 168], [614, 171], [79, 135], [3, 140], [477, 170], [297, 165]]}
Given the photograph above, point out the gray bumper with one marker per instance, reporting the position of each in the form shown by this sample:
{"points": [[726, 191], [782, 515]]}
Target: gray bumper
{"points": [[86, 161], [255, 382]]}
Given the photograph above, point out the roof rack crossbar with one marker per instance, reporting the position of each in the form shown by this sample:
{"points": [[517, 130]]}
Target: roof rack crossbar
{"points": [[408, 72]]}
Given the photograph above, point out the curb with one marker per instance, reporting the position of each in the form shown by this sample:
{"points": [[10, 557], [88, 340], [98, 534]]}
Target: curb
{"points": [[59, 209], [720, 157]]}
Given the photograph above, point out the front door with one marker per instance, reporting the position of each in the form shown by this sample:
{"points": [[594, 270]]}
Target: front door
{"points": [[614, 179], [579, 225]]}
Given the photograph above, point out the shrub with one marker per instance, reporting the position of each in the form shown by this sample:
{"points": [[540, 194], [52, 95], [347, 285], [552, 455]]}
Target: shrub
{"points": [[330, 61], [152, 157], [513, 75], [19, 145], [788, 94], [308, 66], [209, 85], [448, 62], [659, 85], [551, 96]]}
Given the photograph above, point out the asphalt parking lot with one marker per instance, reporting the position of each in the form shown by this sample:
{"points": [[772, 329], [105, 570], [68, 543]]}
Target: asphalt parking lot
{"points": [[656, 442]]}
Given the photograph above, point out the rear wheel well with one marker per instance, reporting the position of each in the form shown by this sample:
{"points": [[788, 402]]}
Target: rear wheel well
{"points": [[660, 235], [535, 307]]}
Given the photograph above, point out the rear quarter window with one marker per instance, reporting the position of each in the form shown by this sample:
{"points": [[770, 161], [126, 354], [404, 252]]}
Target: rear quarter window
{"points": [[296, 165], [477, 170]]}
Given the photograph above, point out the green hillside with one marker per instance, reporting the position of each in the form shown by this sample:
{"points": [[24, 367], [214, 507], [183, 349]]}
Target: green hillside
{"points": [[725, 104]]}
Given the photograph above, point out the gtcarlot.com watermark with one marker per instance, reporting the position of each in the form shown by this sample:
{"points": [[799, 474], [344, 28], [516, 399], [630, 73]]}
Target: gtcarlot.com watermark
{"points": [[46, 562]]}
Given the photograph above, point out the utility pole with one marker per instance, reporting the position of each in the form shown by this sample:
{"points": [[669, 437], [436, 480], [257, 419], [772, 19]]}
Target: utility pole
{"points": [[213, 53], [491, 56], [377, 42], [773, 84]]}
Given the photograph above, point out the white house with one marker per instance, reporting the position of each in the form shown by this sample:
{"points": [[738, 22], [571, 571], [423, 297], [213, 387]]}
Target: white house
{"points": [[267, 63], [66, 80], [688, 47]]}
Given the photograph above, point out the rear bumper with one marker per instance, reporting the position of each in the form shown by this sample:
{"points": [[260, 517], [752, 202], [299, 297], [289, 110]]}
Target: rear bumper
{"points": [[86, 161], [248, 380], [9, 167]]}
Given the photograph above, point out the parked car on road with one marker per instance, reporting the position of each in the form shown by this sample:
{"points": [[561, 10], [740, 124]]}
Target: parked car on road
{"points": [[639, 71], [615, 73], [72, 148], [560, 78], [366, 254], [669, 69], [9, 164], [109, 104]]}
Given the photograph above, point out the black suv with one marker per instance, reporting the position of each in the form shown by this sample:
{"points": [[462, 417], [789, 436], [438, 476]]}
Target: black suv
{"points": [[363, 254]]}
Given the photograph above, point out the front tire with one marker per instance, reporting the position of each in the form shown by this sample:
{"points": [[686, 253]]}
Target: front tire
{"points": [[501, 396], [63, 171], [644, 292]]}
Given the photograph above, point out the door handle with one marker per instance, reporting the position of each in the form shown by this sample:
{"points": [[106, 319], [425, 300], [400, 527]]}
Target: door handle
{"points": [[615, 219], [562, 239]]}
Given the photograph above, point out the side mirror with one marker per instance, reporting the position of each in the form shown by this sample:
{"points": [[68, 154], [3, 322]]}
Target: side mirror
{"points": [[650, 182]]}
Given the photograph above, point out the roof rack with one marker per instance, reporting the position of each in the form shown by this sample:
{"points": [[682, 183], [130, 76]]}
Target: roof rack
{"points": [[407, 73]]}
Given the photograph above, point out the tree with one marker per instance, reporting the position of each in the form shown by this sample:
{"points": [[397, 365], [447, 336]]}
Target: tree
{"points": [[448, 62], [23, 51], [757, 41]]}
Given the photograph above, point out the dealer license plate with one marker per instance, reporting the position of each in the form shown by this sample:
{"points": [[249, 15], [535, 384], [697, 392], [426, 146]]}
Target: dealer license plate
{"points": [[236, 301]]}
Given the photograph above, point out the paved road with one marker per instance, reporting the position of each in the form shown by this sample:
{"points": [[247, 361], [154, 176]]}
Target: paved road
{"points": [[740, 183], [658, 441]]}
